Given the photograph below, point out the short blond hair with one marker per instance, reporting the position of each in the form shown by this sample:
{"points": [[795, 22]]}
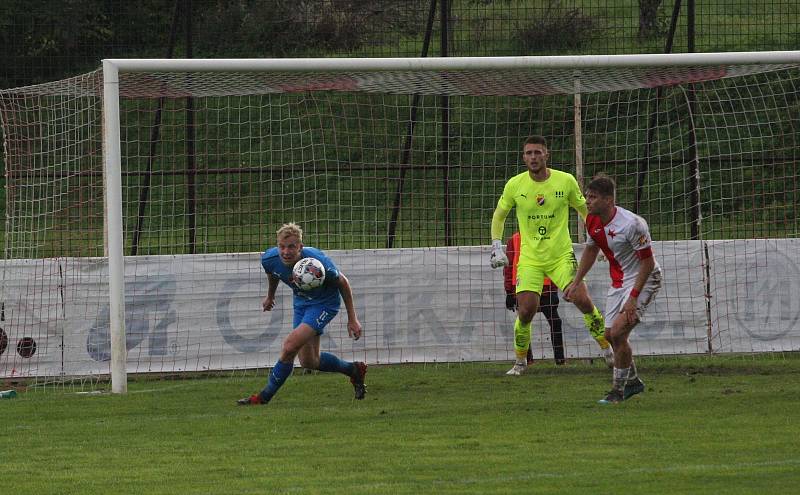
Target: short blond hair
{"points": [[290, 229]]}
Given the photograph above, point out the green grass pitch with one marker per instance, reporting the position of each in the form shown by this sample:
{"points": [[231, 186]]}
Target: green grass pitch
{"points": [[705, 425]]}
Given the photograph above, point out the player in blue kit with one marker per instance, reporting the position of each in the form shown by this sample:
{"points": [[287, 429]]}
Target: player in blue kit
{"points": [[313, 310]]}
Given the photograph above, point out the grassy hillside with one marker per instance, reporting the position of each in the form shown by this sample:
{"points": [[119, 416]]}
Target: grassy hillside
{"points": [[337, 161]]}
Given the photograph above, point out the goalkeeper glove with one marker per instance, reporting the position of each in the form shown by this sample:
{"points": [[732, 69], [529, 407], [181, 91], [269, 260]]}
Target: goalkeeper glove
{"points": [[511, 302], [498, 257]]}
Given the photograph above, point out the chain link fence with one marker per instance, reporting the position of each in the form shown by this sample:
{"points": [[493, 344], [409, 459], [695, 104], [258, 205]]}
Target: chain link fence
{"points": [[51, 39]]}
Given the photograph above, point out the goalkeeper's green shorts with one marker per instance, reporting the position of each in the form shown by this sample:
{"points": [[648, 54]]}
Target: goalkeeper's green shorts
{"points": [[530, 278]]}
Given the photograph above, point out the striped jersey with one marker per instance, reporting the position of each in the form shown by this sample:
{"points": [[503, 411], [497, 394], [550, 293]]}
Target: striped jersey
{"points": [[624, 240]]}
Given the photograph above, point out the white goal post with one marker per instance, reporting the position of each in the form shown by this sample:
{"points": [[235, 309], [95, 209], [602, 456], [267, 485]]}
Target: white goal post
{"points": [[203, 159]]}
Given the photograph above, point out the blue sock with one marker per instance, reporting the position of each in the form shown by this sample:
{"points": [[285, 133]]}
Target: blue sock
{"points": [[332, 364], [280, 372]]}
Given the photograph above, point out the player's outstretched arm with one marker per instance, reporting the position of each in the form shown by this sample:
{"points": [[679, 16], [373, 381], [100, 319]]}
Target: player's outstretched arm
{"points": [[498, 257], [576, 199], [588, 258], [269, 300], [353, 325], [582, 211]]}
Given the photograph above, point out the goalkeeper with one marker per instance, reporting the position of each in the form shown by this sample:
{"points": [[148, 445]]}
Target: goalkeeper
{"points": [[548, 301], [542, 198], [313, 310]]}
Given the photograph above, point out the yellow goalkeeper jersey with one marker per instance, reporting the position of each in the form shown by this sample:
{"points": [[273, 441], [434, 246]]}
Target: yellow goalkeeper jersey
{"points": [[543, 214]]}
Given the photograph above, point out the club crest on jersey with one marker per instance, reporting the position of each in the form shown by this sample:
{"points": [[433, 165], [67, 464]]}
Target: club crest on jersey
{"points": [[642, 240], [540, 199]]}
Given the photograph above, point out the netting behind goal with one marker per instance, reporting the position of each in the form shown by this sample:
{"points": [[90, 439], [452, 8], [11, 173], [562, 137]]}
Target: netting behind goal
{"points": [[395, 174]]}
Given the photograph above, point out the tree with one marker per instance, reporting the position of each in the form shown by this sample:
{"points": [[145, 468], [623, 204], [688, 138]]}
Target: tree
{"points": [[648, 18]]}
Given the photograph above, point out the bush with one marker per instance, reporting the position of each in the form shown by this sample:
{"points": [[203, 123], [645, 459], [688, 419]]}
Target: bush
{"points": [[557, 28], [303, 27]]}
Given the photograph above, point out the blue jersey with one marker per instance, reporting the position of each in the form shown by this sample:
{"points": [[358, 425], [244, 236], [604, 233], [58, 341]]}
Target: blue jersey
{"points": [[327, 295]]}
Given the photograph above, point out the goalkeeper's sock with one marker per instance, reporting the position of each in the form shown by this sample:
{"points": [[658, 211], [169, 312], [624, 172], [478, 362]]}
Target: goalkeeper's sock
{"points": [[596, 325], [330, 363], [280, 372], [522, 340]]}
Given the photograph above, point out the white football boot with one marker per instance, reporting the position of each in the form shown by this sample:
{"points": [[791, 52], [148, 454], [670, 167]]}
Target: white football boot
{"points": [[520, 366]]}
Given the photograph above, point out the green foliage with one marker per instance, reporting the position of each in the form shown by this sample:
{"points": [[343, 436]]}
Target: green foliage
{"points": [[349, 148], [705, 425], [651, 19], [556, 27], [60, 38], [281, 28]]}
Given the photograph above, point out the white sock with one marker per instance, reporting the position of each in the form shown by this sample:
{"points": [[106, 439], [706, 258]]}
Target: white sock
{"points": [[620, 377]]}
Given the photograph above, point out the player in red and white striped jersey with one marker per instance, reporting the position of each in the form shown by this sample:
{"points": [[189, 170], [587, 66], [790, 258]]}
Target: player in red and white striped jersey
{"points": [[625, 240]]}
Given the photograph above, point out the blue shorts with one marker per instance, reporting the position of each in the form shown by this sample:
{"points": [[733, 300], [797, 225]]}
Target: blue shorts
{"points": [[316, 316]]}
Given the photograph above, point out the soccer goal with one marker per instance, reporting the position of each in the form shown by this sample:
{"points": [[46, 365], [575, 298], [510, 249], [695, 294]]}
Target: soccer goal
{"points": [[139, 196]]}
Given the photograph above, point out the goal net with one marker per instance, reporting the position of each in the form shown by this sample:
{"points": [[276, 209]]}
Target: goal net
{"points": [[393, 167]]}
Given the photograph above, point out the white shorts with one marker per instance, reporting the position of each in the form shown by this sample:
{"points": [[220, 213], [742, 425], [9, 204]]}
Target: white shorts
{"points": [[617, 296]]}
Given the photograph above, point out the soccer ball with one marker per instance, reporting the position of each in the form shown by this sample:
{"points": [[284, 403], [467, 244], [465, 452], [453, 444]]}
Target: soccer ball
{"points": [[309, 273]]}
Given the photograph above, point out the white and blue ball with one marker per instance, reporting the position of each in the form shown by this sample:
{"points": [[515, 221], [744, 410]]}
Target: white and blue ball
{"points": [[308, 273]]}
